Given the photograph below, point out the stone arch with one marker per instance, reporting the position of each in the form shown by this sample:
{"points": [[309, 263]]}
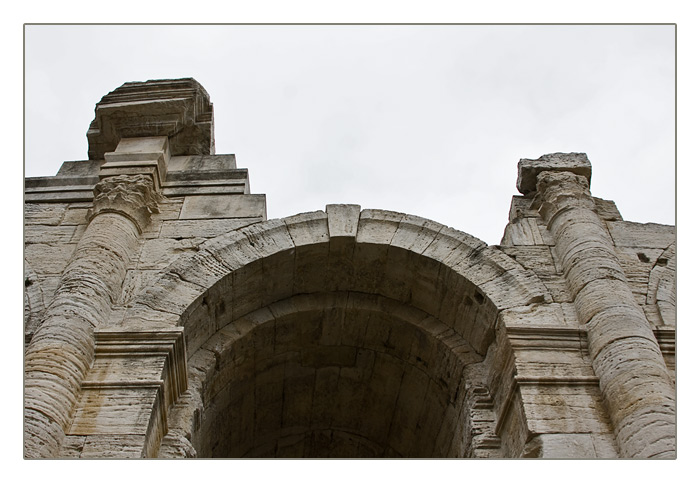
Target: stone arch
{"points": [[399, 270]]}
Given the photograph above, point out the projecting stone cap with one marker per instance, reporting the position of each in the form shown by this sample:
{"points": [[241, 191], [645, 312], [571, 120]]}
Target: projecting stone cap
{"points": [[528, 169], [177, 108]]}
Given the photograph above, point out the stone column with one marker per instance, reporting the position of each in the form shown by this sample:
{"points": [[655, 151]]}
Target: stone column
{"points": [[626, 357], [62, 350]]}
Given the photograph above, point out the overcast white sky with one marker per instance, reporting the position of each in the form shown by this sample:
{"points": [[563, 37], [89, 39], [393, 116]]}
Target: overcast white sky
{"points": [[429, 120]]}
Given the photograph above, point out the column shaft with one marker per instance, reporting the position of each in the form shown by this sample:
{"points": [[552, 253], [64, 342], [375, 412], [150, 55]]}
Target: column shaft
{"points": [[626, 357], [62, 350]]}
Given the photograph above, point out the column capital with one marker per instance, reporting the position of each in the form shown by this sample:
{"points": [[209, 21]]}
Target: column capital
{"points": [[133, 196], [558, 191]]}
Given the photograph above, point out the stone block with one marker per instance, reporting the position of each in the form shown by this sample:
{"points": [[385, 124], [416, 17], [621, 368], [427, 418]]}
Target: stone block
{"points": [[451, 247], [203, 228], [343, 220], [278, 276], [641, 235], [341, 356], [198, 165], [415, 234], [324, 397], [377, 226], [147, 367], [119, 446], [86, 168], [537, 258], [158, 253], [607, 210], [76, 215], [523, 231], [528, 169], [49, 259], [369, 262], [521, 207], [72, 446], [110, 411], [223, 206], [44, 213], [308, 228], [562, 446], [54, 235]]}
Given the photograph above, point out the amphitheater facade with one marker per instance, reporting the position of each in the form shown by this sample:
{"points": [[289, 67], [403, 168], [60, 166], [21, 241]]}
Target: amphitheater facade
{"points": [[166, 317]]}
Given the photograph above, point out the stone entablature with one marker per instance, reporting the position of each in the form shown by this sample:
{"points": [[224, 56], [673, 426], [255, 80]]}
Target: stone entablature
{"points": [[178, 108], [338, 333]]}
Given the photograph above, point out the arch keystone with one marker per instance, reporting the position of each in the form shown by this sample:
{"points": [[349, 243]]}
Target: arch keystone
{"points": [[343, 220]]}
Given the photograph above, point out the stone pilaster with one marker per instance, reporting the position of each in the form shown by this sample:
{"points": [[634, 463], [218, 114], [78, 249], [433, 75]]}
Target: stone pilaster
{"points": [[123, 406], [624, 352], [62, 350]]}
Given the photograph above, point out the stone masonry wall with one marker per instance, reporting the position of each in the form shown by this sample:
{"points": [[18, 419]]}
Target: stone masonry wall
{"points": [[166, 317]]}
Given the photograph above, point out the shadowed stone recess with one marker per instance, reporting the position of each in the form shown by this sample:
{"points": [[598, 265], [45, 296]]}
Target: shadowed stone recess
{"points": [[338, 374]]}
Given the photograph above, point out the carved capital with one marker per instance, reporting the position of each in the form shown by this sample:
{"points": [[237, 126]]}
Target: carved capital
{"points": [[133, 196], [561, 190]]}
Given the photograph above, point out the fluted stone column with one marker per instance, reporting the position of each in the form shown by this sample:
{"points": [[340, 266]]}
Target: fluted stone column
{"points": [[626, 357], [62, 349]]}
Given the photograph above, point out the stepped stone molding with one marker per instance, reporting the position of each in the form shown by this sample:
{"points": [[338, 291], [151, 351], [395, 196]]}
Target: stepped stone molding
{"points": [[141, 374], [179, 109], [621, 342]]}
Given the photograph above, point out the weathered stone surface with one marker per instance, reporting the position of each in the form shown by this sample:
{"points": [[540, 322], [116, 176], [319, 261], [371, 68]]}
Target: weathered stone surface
{"points": [[179, 109], [529, 169], [223, 206], [44, 214], [641, 235], [158, 253], [523, 231], [133, 196], [165, 317], [343, 220], [607, 210], [624, 351], [203, 228]]}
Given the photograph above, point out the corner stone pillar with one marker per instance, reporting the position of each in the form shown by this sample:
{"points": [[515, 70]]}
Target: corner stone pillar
{"points": [[62, 350], [626, 357]]}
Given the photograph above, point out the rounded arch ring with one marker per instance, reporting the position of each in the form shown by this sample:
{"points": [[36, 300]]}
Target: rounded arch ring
{"points": [[445, 274]]}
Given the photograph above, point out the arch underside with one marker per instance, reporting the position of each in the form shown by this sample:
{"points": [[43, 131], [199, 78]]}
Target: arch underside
{"points": [[334, 374], [302, 344]]}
